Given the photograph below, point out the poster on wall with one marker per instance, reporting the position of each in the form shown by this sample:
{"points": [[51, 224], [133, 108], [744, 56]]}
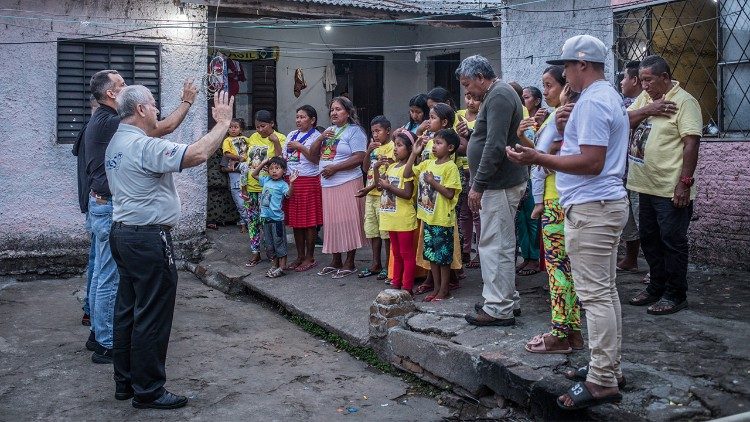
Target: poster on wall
{"points": [[268, 53]]}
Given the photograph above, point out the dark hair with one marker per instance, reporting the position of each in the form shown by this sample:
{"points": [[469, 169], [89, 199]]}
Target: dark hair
{"points": [[657, 64], [556, 71], [279, 161], [310, 111], [440, 95], [535, 92], [445, 112], [518, 88], [382, 121], [405, 139], [349, 107], [631, 68], [240, 121], [100, 83], [450, 136], [264, 116], [420, 100]]}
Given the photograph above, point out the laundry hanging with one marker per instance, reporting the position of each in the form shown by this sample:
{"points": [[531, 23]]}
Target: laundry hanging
{"points": [[299, 82], [329, 78]]}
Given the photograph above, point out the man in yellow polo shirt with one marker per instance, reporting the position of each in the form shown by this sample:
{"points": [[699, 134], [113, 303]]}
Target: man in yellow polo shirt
{"points": [[663, 152]]}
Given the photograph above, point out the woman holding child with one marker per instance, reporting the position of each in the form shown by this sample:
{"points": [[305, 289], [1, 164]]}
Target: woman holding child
{"points": [[341, 149]]}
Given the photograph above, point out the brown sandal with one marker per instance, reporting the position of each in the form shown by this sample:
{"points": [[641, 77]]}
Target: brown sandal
{"points": [[548, 344]]}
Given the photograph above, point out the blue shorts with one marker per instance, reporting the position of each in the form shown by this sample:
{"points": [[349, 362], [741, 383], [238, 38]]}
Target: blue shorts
{"points": [[274, 238]]}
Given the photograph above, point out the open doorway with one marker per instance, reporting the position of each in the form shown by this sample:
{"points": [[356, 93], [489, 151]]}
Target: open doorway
{"points": [[360, 78], [445, 74]]}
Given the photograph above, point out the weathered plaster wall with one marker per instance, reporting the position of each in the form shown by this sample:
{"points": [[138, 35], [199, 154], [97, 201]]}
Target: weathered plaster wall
{"points": [[42, 228], [534, 33], [402, 76], [720, 230]]}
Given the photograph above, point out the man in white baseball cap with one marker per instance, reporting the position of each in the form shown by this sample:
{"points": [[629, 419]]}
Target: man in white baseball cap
{"points": [[590, 167]]}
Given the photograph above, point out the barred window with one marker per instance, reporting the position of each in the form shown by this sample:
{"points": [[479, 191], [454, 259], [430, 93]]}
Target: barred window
{"points": [[77, 61], [707, 45]]}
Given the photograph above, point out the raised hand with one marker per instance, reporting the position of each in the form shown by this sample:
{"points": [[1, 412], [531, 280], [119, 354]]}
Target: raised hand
{"points": [[222, 109], [660, 108], [562, 116], [189, 91]]}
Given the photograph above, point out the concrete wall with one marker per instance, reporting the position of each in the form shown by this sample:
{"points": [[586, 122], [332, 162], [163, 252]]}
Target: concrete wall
{"points": [[720, 230], [42, 227], [312, 48], [534, 33]]}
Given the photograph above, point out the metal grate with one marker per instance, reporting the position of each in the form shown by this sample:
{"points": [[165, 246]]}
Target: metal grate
{"points": [[77, 61], [706, 43]]}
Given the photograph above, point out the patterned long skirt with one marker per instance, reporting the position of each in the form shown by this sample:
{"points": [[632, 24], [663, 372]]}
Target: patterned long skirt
{"points": [[566, 311]]}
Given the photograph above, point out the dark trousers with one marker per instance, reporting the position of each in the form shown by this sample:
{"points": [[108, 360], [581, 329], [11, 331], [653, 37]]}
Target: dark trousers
{"points": [[663, 231], [144, 307]]}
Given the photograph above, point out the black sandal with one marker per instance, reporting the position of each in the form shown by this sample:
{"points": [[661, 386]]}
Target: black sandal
{"points": [[582, 398], [666, 307], [581, 373]]}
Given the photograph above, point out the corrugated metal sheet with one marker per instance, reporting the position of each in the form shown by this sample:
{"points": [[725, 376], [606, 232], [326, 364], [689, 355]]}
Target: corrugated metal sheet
{"points": [[427, 7]]}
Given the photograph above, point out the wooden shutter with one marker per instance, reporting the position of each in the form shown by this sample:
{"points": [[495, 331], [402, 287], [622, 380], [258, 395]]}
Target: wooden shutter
{"points": [[264, 86], [77, 61]]}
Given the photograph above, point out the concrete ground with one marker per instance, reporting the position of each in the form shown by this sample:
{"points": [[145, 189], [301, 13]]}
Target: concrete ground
{"points": [[691, 365], [235, 359]]}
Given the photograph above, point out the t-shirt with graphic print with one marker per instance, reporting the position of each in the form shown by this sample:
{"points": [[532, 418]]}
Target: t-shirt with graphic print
{"points": [[655, 150], [347, 140], [397, 214], [381, 151], [295, 160], [259, 148], [461, 160], [236, 145], [432, 207], [271, 196]]}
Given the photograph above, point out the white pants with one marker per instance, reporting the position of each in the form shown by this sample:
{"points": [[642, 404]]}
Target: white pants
{"points": [[497, 250]]}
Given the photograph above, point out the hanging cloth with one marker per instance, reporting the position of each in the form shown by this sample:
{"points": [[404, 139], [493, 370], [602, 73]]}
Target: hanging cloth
{"points": [[329, 78], [299, 82]]}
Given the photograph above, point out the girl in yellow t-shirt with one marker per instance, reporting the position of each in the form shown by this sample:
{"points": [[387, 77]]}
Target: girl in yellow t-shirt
{"points": [[397, 214], [264, 143], [437, 194], [234, 150]]}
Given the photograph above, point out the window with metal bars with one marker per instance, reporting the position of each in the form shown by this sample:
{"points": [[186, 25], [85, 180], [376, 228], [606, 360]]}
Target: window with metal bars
{"points": [[77, 61], [707, 45]]}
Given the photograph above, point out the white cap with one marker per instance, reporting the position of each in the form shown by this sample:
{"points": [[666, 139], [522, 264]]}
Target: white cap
{"points": [[583, 48]]}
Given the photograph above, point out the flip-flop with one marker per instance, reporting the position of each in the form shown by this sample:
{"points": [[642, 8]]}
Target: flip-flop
{"points": [[581, 373], [582, 398], [253, 263], [293, 265], [383, 274], [422, 289], [365, 273], [327, 270], [523, 272], [301, 268], [343, 273], [429, 298]]}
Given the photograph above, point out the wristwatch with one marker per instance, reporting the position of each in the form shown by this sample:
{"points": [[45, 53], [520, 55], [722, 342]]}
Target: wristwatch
{"points": [[687, 180]]}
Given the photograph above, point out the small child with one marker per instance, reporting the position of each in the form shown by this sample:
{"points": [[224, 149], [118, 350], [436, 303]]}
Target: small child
{"points": [[397, 213], [380, 148], [235, 148], [439, 187], [271, 214], [442, 116], [418, 112]]}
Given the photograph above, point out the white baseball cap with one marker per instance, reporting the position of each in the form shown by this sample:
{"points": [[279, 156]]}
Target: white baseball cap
{"points": [[583, 48]]}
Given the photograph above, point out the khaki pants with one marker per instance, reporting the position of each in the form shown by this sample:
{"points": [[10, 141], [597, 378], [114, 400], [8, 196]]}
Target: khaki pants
{"points": [[497, 247], [592, 233]]}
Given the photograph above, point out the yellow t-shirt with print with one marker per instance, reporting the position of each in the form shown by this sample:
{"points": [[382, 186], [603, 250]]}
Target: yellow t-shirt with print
{"points": [[397, 214], [461, 160], [259, 148], [655, 149], [236, 145], [381, 151], [432, 207]]}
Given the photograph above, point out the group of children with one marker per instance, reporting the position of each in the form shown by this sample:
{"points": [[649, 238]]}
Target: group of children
{"points": [[414, 178]]}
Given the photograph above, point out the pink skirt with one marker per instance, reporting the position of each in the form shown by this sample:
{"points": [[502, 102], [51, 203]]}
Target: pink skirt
{"points": [[343, 215]]}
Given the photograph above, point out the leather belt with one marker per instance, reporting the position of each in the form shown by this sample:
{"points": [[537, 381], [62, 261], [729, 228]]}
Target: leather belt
{"points": [[100, 199]]}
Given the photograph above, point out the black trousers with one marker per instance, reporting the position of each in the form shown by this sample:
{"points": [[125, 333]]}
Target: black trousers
{"points": [[663, 231], [144, 307]]}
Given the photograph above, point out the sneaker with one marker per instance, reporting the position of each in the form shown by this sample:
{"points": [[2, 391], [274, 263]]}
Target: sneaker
{"points": [[102, 355], [166, 401], [479, 305]]}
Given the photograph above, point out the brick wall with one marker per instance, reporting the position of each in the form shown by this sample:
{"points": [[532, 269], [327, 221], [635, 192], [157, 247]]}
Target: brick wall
{"points": [[720, 230]]}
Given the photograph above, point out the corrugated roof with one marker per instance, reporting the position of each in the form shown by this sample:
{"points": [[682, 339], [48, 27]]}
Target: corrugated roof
{"points": [[427, 7]]}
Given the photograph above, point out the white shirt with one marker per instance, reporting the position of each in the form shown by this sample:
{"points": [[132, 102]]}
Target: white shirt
{"points": [[335, 150], [295, 160], [600, 119]]}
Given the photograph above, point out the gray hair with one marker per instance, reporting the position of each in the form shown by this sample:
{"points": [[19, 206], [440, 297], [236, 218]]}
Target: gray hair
{"points": [[130, 97], [473, 66]]}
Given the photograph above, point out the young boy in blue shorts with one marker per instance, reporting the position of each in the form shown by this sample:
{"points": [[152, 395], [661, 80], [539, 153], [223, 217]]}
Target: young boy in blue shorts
{"points": [[271, 214]]}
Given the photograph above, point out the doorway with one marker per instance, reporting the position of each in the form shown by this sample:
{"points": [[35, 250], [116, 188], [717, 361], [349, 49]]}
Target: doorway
{"points": [[445, 75], [360, 78]]}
